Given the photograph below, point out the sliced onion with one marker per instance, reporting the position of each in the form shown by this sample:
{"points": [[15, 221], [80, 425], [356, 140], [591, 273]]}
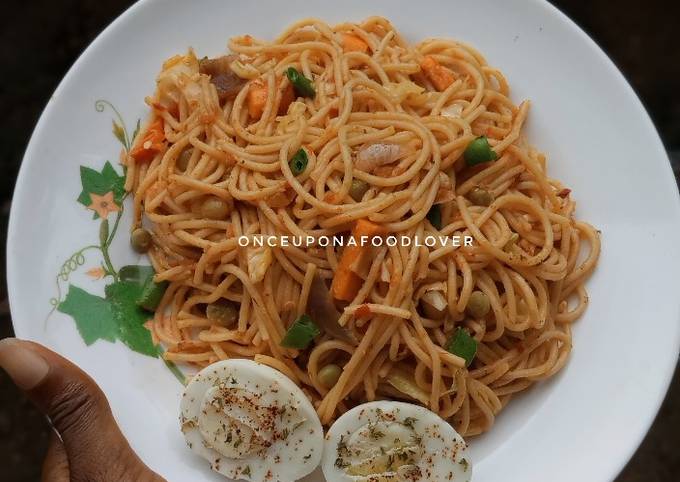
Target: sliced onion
{"points": [[288, 122], [445, 193], [259, 260], [404, 89], [377, 154], [281, 199], [362, 264], [323, 312], [385, 271], [404, 383], [444, 197], [329, 88], [454, 110], [175, 74], [245, 71], [434, 304], [191, 90]]}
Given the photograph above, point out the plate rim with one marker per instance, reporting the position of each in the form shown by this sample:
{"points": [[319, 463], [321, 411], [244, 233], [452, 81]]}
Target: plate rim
{"points": [[21, 185]]}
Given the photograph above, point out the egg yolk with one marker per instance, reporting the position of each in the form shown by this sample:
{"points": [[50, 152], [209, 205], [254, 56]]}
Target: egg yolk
{"points": [[381, 451]]}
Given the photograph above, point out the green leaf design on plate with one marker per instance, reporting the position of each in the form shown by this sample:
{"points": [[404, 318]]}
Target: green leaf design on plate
{"points": [[119, 132], [94, 182], [137, 128], [93, 315], [118, 315], [132, 297], [130, 318], [137, 273]]}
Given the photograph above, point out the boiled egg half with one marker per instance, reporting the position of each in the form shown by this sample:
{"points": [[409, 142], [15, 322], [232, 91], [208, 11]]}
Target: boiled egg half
{"points": [[387, 441], [251, 422]]}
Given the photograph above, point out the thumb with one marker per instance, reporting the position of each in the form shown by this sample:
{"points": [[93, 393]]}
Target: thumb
{"points": [[78, 410]]}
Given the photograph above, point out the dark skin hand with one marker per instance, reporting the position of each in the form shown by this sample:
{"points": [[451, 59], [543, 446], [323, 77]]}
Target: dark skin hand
{"points": [[86, 443]]}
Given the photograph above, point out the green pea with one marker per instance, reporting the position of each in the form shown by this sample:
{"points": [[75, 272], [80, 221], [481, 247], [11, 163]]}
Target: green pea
{"points": [[223, 312], [478, 305], [183, 159], [479, 151], [215, 208], [480, 197], [140, 239], [329, 375], [358, 189]]}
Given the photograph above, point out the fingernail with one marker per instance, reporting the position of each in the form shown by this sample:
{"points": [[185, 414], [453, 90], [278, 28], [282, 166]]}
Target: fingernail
{"points": [[24, 366]]}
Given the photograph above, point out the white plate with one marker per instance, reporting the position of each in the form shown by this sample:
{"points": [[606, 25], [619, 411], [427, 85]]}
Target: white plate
{"points": [[582, 425]]}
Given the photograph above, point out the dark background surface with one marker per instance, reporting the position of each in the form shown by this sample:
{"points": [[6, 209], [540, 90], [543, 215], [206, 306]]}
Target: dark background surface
{"points": [[40, 39]]}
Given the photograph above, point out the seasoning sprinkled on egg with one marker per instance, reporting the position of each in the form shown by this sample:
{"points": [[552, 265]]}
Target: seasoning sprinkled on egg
{"points": [[394, 441], [241, 416]]}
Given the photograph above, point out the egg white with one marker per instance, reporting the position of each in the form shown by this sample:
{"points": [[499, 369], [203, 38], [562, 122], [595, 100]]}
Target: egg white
{"points": [[399, 441], [291, 427]]}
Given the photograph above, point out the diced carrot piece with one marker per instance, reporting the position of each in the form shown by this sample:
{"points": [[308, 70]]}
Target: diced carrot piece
{"points": [[363, 311], [384, 171], [346, 283], [174, 110], [257, 98], [353, 43], [151, 143], [440, 76], [207, 118], [287, 98], [281, 199]]}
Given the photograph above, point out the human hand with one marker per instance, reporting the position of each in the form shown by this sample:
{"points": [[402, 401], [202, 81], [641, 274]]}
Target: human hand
{"points": [[86, 443]]}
